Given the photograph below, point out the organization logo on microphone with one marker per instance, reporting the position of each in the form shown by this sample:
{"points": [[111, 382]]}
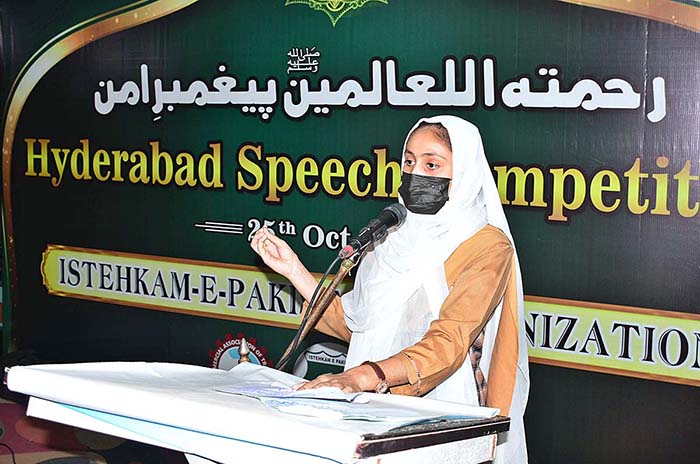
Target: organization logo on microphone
{"points": [[226, 354], [321, 358]]}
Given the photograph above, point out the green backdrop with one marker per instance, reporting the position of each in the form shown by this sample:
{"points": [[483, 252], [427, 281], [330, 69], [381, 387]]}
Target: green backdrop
{"points": [[646, 260]]}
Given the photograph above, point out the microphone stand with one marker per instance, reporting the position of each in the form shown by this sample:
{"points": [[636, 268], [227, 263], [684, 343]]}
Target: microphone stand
{"points": [[320, 307]]}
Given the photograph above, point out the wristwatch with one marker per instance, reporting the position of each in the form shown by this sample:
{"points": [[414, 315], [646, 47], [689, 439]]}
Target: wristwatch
{"points": [[383, 385]]}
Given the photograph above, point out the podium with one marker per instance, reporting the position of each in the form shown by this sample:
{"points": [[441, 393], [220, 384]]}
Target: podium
{"points": [[187, 409]]}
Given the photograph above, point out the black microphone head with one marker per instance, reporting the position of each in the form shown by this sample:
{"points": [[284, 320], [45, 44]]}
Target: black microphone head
{"points": [[393, 215]]}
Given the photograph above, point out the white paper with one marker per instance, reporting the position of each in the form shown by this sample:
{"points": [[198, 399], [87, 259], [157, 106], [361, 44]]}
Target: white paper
{"points": [[281, 391]]}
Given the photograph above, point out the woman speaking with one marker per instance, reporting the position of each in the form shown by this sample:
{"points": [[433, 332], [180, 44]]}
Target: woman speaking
{"points": [[437, 305]]}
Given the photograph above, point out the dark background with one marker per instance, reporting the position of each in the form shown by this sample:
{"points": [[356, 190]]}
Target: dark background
{"points": [[645, 261]]}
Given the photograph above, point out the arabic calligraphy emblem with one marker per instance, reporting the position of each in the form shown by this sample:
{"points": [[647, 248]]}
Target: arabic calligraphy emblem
{"points": [[335, 9]]}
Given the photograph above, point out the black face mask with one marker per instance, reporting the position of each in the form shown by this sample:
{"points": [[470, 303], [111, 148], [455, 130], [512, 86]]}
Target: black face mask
{"points": [[424, 194]]}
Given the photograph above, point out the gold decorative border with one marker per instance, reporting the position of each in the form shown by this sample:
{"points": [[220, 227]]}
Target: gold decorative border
{"points": [[612, 307], [613, 371], [667, 11], [51, 53]]}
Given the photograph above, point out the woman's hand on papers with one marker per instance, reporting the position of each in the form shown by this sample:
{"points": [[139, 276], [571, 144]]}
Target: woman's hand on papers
{"points": [[361, 378], [358, 379]]}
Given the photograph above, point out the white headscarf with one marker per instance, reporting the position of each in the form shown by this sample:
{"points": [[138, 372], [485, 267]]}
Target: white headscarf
{"points": [[400, 284], [396, 266]]}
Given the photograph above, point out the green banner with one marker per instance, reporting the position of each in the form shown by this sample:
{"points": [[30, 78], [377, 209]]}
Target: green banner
{"points": [[144, 143]]}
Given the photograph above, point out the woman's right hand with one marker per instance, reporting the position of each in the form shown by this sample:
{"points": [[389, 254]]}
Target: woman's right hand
{"points": [[279, 256], [275, 252]]}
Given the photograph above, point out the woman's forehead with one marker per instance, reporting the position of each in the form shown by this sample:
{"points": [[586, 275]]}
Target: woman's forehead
{"points": [[425, 140]]}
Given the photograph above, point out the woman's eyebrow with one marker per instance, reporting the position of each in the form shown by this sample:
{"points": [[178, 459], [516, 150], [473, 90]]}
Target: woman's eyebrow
{"points": [[430, 153], [427, 153]]}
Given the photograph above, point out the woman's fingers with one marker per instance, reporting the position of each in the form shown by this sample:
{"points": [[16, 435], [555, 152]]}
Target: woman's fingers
{"points": [[257, 240], [308, 385], [262, 244], [317, 382], [281, 248], [330, 380], [274, 239], [274, 251]]}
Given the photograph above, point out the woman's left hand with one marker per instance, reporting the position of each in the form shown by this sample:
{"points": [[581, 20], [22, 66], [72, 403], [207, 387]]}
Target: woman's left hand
{"points": [[355, 380]]}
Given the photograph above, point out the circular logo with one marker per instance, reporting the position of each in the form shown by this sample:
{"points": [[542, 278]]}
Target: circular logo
{"points": [[226, 354]]}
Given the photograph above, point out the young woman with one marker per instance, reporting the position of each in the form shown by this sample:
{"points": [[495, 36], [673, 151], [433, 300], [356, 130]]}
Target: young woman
{"points": [[437, 306]]}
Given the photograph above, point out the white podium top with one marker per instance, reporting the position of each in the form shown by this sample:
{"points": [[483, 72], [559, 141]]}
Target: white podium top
{"points": [[178, 406]]}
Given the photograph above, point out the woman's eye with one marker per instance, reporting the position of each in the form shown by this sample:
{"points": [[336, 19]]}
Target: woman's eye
{"points": [[432, 166], [408, 162]]}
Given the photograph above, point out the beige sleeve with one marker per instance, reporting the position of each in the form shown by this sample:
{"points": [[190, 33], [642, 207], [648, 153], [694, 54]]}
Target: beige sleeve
{"points": [[332, 321], [477, 274]]}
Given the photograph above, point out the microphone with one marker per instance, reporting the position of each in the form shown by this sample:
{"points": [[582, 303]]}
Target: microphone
{"points": [[392, 215]]}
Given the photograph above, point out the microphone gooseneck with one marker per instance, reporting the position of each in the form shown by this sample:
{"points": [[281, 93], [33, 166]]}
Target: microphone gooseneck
{"points": [[392, 216]]}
